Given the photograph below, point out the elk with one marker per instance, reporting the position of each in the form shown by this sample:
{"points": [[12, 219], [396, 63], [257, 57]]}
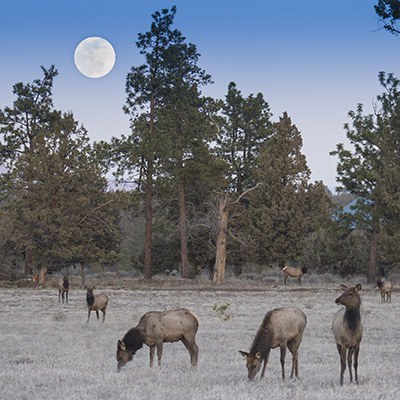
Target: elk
{"points": [[347, 330], [96, 303], [294, 272], [63, 289], [386, 290], [156, 328], [281, 327]]}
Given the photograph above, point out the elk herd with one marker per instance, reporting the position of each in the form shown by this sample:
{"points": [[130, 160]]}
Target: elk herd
{"points": [[280, 327]]}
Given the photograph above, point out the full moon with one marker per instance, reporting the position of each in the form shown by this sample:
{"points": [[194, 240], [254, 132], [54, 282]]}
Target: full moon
{"points": [[94, 57]]}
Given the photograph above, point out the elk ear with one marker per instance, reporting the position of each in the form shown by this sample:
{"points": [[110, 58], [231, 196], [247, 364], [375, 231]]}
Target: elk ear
{"points": [[344, 287], [257, 355], [358, 287], [243, 353]]}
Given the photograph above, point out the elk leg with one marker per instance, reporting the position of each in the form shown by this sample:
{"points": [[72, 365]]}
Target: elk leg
{"points": [[285, 279], [88, 316], [152, 349], [104, 314], [66, 297], [349, 363], [159, 353], [283, 355], [342, 354], [193, 350], [97, 314], [265, 364], [356, 350], [59, 293], [293, 347]]}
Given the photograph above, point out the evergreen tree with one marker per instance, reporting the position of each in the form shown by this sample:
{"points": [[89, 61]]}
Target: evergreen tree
{"points": [[57, 200], [245, 126], [282, 209], [145, 87], [388, 12], [371, 170]]}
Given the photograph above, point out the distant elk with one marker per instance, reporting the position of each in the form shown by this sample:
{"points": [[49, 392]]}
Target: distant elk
{"points": [[347, 330], [294, 272], [96, 303], [156, 328], [385, 287], [63, 289], [281, 327]]}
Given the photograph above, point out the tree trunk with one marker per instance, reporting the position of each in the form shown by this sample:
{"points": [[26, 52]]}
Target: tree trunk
{"points": [[371, 275], [220, 258], [43, 276], [83, 275], [183, 228], [29, 262], [148, 251], [373, 252]]}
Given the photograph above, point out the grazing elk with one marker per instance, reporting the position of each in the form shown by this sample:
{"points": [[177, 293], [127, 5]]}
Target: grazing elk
{"points": [[156, 328], [282, 327], [347, 330], [63, 289], [386, 290], [294, 272], [96, 303]]}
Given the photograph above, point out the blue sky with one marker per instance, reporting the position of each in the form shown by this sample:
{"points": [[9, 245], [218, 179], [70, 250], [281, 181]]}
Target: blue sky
{"points": [[315, 59]]}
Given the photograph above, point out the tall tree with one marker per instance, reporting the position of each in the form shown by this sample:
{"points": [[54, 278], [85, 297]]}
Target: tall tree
{"points": [[57, 199], [186, 126], [282, 208], [389, 14], [145, 88], [371, 170], [32, 114], [245, 126]]}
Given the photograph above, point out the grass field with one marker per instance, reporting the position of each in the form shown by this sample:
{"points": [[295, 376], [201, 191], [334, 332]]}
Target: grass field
{"points": [[49, 352]]}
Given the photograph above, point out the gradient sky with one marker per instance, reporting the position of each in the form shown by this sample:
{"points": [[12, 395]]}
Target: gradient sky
{"points": [[315, 59]]}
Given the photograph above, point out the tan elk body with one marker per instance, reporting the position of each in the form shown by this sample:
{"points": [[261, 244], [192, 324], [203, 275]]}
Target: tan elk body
{"points": [[96, 303], [347, 330], [156, 328], [294, 272], [283, 328], [386, 290]]}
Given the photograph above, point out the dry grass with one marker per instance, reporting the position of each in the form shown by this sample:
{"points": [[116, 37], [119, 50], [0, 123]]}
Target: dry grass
{"points": [[49, 352]]}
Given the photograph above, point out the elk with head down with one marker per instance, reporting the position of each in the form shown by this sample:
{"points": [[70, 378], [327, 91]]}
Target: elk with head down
{"points": [[282, 327], [294, 272], [156, 328], [347, 330]]}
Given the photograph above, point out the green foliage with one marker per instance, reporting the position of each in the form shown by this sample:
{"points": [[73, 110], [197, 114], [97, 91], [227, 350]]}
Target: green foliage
{"points": [[388, 12], [222, 311], [244, 127], [286, 207], [57, 203], [371, 170]]}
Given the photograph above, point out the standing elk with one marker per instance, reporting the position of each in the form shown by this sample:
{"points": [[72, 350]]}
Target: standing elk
{"points": [[347, 330], [156, 328], [63, 289], [386, 290], [96, 303], [294, 272], [281, 327]]}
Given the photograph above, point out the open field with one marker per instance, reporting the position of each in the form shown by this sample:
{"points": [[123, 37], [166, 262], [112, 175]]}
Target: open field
{"points": [[49, 352]]}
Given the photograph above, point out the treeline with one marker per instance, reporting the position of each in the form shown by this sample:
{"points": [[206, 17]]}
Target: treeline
{"points": [[212, 181]]}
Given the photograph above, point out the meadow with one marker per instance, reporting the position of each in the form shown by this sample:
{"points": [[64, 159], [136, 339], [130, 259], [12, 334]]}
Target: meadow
{"points": [[49, 352]]}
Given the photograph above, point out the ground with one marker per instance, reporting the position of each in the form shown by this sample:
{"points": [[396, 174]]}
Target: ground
{"points": [[49, 352]]}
